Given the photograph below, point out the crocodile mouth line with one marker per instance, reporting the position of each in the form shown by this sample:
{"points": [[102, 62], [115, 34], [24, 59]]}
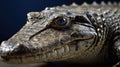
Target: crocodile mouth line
{"points": [[56, 52], [46, 55]]}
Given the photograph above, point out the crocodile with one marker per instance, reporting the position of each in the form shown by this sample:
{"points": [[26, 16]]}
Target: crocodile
{"points": [[86, 34]]}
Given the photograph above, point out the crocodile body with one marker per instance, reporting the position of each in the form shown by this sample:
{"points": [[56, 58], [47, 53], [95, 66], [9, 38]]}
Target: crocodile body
{"points": [[75, 33]]}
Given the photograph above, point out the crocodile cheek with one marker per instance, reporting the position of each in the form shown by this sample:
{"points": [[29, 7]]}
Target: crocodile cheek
{"points": [[51, 40], [83, 33]]}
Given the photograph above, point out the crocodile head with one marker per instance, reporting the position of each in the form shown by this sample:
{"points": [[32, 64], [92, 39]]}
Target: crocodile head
{"points": [[55, 34]]}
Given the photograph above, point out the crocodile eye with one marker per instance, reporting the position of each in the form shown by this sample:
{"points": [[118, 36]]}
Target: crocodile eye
{"points": [[60, 22]]}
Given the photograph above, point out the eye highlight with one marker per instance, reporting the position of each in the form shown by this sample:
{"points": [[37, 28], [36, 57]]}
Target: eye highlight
{"points": [[60, 22]]}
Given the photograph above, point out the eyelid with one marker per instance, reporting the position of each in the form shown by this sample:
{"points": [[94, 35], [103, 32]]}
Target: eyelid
{"points": [[81, 19]]}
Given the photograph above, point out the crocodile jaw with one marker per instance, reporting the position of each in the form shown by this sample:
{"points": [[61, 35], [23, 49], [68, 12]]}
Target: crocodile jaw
{"points": [[61, 47]]}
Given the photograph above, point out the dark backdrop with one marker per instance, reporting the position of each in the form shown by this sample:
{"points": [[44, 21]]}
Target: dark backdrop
{"points": [[13, 13]]}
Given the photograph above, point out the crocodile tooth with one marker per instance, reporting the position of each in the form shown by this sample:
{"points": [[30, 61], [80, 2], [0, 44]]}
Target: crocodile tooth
{"points": [[66, 48], [36, 57], [29, 59], [48, 54], [43, 56], [72, 47], [18, 60], [60, 51], [54, 53]]}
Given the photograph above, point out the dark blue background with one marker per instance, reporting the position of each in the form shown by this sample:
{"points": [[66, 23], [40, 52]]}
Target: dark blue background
{"points": [[13, 13]]}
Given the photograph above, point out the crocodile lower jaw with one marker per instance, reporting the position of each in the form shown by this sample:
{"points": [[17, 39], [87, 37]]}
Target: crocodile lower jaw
{"points": [[60, 53]]}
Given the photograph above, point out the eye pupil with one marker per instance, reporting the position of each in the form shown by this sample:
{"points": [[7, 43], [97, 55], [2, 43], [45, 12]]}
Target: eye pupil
{"points": [[61, 21]]}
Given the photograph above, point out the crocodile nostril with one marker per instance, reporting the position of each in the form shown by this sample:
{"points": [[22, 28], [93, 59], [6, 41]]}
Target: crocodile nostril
{"points": [[3, 43], [4, 48], [13, 48], [8, 47], [20, 50]]}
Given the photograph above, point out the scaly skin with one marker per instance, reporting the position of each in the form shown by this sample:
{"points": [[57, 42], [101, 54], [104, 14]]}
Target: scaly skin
{"points": [[90, 35]]}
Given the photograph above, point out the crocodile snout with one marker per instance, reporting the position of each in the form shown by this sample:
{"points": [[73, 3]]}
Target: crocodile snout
{"points": [[11, 49], [5, 48]]}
